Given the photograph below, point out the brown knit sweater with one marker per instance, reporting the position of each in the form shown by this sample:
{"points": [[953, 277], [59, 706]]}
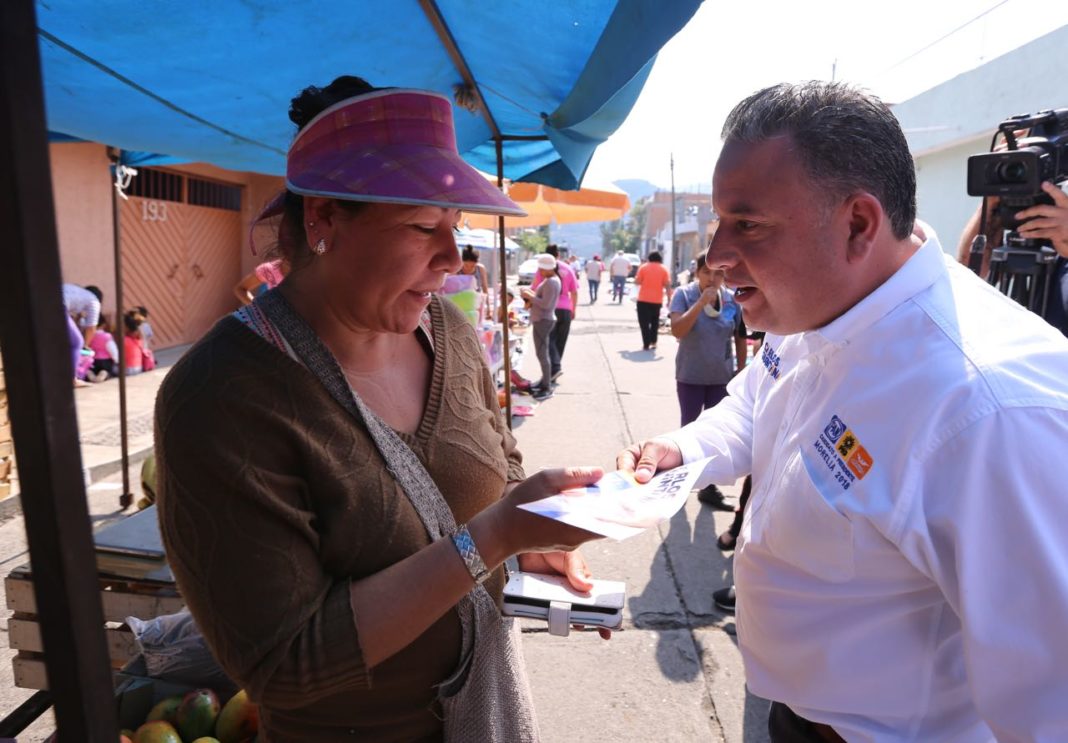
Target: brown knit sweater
{"points": [[272, 499]]}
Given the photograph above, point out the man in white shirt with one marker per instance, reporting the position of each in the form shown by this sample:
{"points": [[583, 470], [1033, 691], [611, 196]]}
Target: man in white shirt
{"points": [[902, 570], [619, 270]]}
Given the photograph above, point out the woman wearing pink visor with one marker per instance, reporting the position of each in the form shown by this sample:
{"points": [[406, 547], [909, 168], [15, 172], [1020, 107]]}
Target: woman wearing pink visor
{"points": [[338, 490]]}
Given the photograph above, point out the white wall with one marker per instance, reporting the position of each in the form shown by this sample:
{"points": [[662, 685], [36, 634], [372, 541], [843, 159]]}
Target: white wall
{"points": [[951, 121], [941, 195]]}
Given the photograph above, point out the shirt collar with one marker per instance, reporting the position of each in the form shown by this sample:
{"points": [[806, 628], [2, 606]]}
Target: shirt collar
{"points": [[922, 269]]}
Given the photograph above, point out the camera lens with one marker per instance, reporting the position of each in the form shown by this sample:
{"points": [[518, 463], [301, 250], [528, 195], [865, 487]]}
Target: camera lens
{"points": [[1012, 171]]}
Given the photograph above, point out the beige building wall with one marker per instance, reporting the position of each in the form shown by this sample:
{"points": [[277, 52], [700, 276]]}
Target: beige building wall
{"points": [[81, 187], [81, 184]]}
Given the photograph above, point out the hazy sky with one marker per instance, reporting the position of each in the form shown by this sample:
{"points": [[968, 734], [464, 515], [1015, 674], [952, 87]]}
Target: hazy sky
{"points": [[730, 49]]}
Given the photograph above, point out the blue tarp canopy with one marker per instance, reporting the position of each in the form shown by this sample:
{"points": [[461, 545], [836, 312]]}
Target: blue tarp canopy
{"points": [[200, 80]]}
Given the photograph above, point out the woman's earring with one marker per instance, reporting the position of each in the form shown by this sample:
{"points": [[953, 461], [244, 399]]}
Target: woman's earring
{"points": [[320, 247]]}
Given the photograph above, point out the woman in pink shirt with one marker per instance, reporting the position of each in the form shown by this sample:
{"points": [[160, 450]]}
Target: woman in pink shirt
{"points": [[565, 310]]}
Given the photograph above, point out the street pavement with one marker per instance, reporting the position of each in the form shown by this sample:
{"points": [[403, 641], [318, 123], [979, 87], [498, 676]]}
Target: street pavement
{"points": [[673, 673]]}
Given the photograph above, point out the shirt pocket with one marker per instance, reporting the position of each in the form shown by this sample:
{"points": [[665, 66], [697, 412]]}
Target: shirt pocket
{"points": [[804, 529]]}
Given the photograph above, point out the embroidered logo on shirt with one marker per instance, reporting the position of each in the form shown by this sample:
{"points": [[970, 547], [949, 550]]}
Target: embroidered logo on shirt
{"points": [[771, 361], [842, 452]]}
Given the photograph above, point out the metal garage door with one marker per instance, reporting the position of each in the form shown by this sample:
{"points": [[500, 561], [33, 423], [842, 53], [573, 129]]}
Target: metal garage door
{"points": [[181, 259]]}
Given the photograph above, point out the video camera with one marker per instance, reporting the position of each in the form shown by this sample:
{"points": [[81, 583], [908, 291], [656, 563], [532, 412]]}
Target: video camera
{"points": [[1016, 174], [1020, 267]]}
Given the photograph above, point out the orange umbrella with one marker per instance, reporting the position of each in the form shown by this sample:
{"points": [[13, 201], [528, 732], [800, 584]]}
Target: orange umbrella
{"points": [[547, 205]]}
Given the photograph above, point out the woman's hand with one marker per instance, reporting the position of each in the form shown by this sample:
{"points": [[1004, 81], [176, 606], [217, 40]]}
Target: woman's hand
{"points": [[571, 564], [504, 529]]}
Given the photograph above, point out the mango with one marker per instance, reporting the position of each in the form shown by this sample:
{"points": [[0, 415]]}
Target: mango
{"points": [[157, 731], [206, 740], [125, 739], [239, 719], [166, 710], [127, 733], [197, 713]]}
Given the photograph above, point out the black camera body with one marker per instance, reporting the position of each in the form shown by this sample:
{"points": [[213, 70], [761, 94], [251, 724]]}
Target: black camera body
{"points": [[1016, 174]]}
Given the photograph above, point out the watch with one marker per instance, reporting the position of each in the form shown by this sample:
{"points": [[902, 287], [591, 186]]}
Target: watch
{"points": [[465, 545]]}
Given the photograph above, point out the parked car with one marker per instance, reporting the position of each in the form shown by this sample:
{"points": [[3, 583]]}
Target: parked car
{"points": [[635, 262], [527, 269]]}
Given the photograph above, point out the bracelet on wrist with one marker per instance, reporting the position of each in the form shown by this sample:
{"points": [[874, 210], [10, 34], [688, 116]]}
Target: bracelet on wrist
{"points": [[465, 545]]}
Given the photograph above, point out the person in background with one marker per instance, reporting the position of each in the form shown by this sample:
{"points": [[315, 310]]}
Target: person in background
{"points": [[654, 283], [105, 353], [147, 333], [471, 267], [565, 309], [1041, 222], [543, 304], [871, 604], [619, 271], [133, 346], [83, 316], [712, 349], [266, 275], [337, 488], [594, 269]]}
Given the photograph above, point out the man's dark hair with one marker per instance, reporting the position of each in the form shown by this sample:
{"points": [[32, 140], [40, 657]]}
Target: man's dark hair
{"points": [[846, 138], [95, 291], [655, 257], [553, 250]]}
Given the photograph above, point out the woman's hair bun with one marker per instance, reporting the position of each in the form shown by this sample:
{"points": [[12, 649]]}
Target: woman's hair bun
{"points": [[313, 100]]}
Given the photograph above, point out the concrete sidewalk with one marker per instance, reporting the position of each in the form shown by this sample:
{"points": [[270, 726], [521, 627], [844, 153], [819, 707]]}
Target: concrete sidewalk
{"points": [[675, 672], [99, 430]]}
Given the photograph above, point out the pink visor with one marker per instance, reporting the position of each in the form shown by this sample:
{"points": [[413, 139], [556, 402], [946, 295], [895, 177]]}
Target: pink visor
{"points": [[395, 146]]}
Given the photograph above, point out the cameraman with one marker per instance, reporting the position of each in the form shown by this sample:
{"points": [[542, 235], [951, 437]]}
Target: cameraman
{"points": [[1044, 221]]}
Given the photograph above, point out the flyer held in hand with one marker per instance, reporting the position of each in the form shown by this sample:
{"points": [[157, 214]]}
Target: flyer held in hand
{"points": [[617, 506]]}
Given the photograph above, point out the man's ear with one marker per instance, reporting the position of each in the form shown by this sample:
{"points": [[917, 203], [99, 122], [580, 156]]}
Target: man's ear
{"points": [[865, 218]]}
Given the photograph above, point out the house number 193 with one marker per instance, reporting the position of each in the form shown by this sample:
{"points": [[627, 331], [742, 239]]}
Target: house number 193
{"points": [[153, 211]]}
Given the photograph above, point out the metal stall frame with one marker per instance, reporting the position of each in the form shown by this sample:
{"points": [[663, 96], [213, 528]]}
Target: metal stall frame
{"points": [[52, 491]]}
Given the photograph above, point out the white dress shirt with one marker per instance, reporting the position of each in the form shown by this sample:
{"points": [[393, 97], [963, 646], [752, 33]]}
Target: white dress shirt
{"points": [[902, 571]]}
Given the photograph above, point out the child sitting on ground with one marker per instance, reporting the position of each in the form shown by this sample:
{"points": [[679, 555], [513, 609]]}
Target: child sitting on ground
{"points": [[138, 358], [105, 353]]}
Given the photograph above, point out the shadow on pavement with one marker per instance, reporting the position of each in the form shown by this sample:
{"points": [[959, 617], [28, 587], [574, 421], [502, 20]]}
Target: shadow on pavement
{"points": [[639, 356]]}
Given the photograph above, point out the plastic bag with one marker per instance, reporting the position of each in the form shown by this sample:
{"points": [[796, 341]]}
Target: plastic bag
{"points": [[172, 647]]}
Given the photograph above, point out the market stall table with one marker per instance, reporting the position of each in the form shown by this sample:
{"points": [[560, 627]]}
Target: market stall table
{"points": [[133, 578]]}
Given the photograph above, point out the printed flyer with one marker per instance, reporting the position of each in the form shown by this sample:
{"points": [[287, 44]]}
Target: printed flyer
{"points": [[617, 506]]}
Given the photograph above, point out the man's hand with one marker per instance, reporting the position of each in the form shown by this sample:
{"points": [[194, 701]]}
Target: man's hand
{"points": [[1049, 222], [645, 458]]}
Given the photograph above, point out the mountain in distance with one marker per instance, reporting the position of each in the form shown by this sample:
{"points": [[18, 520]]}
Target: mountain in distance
{"points": [[637, 188], [584, 238]]}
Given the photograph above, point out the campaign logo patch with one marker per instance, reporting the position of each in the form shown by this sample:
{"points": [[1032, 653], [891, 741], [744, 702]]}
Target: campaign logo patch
{"points": [[771, 361], [841, 451]]}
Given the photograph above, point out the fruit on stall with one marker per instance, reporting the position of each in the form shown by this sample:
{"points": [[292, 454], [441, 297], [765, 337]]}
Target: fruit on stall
{"points": [[166, 709], [197, 714], [157, 731], [239, 719], [206, 739], [124, 738]]}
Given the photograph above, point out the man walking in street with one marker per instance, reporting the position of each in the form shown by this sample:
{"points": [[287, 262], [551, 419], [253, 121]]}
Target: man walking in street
{"points": [[619, 270], [903, 422]]}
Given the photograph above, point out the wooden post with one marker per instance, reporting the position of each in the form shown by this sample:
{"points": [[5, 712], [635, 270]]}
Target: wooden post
{"points": [[41, 397]]}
